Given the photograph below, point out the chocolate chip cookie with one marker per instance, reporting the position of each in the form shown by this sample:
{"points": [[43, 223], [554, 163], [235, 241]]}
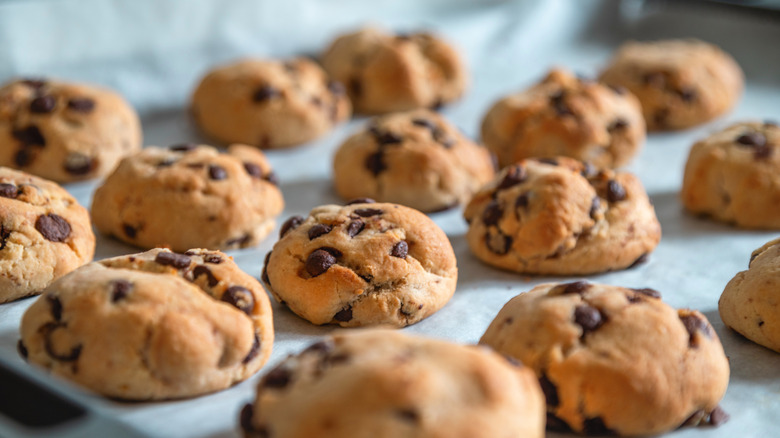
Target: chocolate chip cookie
{"points": [[64, 131], [44, 234], [155, 325], [189, 196], [680, 83], [384, 384], [749, 303], [362, 264], [269, 103], [563, 217], [734, 176], [613, 360], [564, 115], [385, 72], [416, 158]]}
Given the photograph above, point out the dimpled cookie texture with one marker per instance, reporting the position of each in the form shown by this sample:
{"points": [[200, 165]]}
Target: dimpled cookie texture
{"points": [[154, 325], [362, 264], [384, 384], [44, 234], [561, 216], [269, 103], [734, 176], [385, 72], [417, 159], [613, 360], [189, 196], [567, 116], [749, 302], [680, 83], [64, 131]]}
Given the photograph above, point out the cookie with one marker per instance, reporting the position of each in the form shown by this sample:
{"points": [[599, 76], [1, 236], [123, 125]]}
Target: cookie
{"points": [[680, 83], [44, 234], [613, 360], [561, 217], [64, 131], [269, 103], [362, 264], [734, 176], [749, 304], [189, 196], [154, 325], [416, 158], [385, 72], [384, 384], [564, 115]]}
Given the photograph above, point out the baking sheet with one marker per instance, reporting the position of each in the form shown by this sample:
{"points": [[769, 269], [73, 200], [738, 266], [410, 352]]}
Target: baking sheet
{"points": [[153, 52]]}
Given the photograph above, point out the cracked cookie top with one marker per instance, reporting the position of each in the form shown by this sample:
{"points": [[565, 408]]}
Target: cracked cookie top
{"points": [[153, 325], [189, 196], [384, 384], [561, 216], [614, 360], [44, 234], [362, 264], [64, 131], [385, 72]]}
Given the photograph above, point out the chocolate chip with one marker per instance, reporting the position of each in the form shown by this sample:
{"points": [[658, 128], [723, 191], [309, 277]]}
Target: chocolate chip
{"points": [[557, 424], [217, 172], [718, 416], [246, 418], [762, 153], [178, 261], [319, 230], [652, 293], [515, 175], [617, 125], [498, 242], [752, 139], [442, 138], [240, 297], [253, 169], [368, 212], [761, 323], [52, 227], [575, 287], [277, 378], [595, 203], [29, 136], [55, 307], [336, 87], [615, 191], [264, 275], [238, 241], [655, 79], [522, 200], [400, 250], [168, 162], [272, 178], [425, 123], [290, 224], [640, 260], [361, 201], [694, 324], [183, 147], [81, 104], [129, 230], [375, 163], [79, 164], [213, 258], [558, 103], [409, 415], [9, 191], [687, 94], [596, 426], [22, 349], [492, 213], [550, 161], [344, 315], [24, 157], [661, 116], [199, 270], [43, 104], [319, 261], [4, 235], [355, 87], [34, 83], [120, 289], [587, 317], [320, 347], [70, 356], [252, 350], [264, 93], [550, 391], [355, 227]]}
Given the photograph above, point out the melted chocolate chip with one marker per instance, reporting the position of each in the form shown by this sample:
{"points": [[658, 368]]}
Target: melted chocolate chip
{"points": [[9, 191], [70, 356], [515, 175], [43, 104], [755, 139], [79, 164], [361, 201], [587, 317], [492, 213], [400, 250], [241, 298], [29, 136], [81, 104], [615, 191], [576, 287], [498, 242], [52, 227], [129, 230], [264, 93], [252, 350], [55, 307], [336, 87], [253, 170], [694, 324], [594, 207], [344, 315], [217, 172], [290, 224], [22, 349], [120, 289], [355, 227], [319, 261], [596, 426], [264, 275], [199, 270], [319, 230], [375, 163], [246, 418], [277, 378], [178, 261], [368, 212], [550, 391]]}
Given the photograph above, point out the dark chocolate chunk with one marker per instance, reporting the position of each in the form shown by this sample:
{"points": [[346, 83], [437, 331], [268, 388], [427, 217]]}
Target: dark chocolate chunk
{"points": [[9, 191], [498, 242], [515, 175], [319, 261], [355, 227], [79, 164], [522, 200], [52, 227], [253, 170], [241, 298], [344, 315], [575, 287], [361, 201], [336, 87], [264, 275], [43, 104], [594, 207], [264, 93], [4, 235], [318, 230], [120, 289], [178, 261], [246, 418], [550, 391], [213, 258], [400, 250], [557, 424], [183, 147], [694, 324], [492, 213], [596, 426], [22, 349], [29, 136], [368, 212], [129, 230], [588, 317], [652, 293], [290, 224], [217, 172], [199, 270], [752, 139], [81, 104], [386, 138], [252, 350], [615, 191], [375, 163]]}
